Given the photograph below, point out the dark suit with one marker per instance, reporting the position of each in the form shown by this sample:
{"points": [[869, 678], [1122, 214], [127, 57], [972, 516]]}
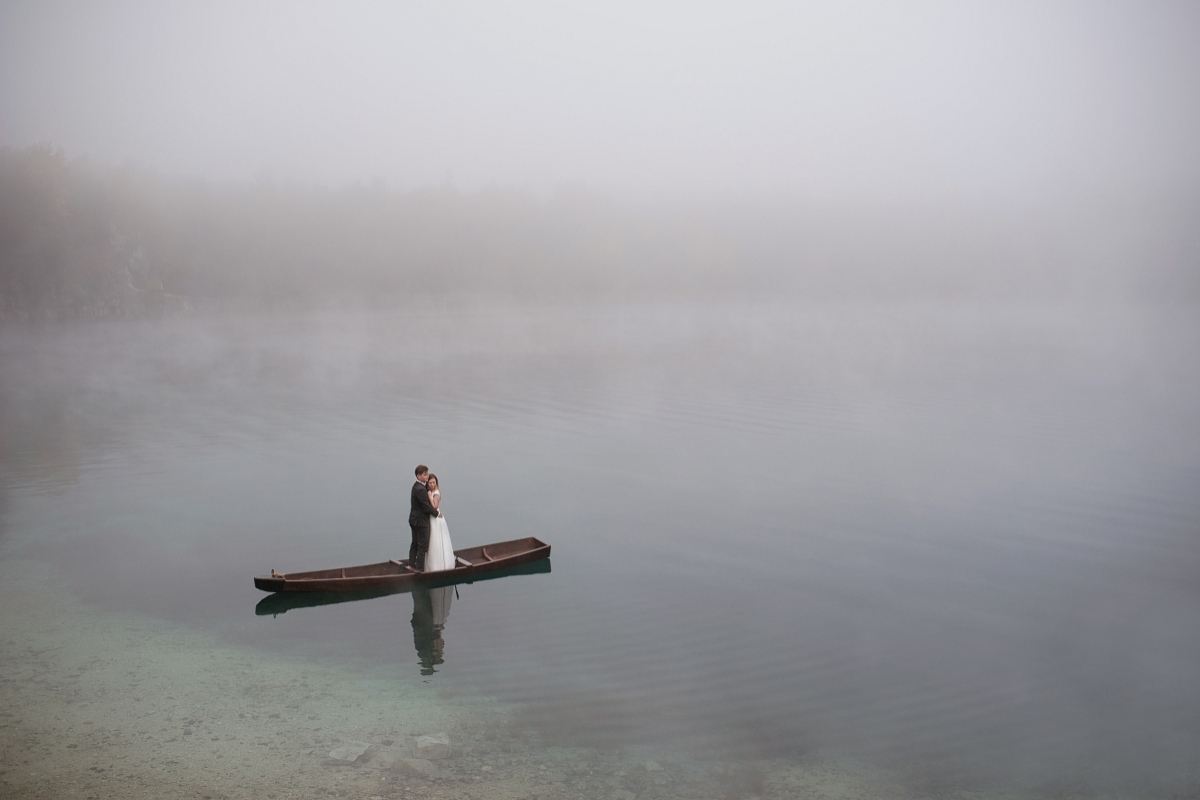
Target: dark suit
{"points": [[418, 520]]}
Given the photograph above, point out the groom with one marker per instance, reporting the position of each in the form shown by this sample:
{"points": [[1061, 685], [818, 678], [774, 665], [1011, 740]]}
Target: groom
{"points": [[418, 519]]}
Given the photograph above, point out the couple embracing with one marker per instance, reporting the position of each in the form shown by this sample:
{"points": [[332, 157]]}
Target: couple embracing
{"points": [[431, 549]]}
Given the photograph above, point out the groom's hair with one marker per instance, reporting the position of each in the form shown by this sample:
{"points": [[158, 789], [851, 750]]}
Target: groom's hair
{"points": [[421, 470]]}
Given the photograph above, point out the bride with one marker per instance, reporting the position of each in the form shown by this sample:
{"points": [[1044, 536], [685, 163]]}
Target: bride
{"points": [[441, 551]]}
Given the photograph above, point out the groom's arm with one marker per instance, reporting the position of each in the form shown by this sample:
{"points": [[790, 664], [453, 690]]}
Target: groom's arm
{"points": [[422, 498]]}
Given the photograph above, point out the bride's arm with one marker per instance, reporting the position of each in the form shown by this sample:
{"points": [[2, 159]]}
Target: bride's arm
{"points": [[435, 500]]}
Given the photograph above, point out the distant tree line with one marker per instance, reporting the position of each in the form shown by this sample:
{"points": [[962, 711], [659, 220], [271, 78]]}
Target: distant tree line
{"points": [[77, 241], [83, 241]]}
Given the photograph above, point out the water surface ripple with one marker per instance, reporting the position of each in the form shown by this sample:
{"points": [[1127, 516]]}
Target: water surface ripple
{"points": [[958, 543]]}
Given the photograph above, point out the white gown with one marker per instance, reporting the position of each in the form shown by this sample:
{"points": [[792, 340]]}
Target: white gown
{"points": [[441, 551]]}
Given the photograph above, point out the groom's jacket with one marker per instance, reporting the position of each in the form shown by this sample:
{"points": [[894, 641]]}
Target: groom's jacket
{"points": [[422, 509]]}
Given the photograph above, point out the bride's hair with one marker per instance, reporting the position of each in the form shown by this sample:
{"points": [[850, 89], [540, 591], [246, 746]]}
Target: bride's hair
{"points": [[433, 478]]}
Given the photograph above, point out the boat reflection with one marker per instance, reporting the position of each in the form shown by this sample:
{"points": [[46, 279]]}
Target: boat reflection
{"points": [[431, 607], [281, 602]]}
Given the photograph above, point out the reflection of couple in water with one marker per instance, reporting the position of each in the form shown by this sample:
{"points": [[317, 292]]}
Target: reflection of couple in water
{"points": [[431, 549], [430, 609]]}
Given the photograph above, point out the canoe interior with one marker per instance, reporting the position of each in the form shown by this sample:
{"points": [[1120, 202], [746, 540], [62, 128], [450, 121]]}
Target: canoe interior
{"points": [[478, 556], [394, 574]]}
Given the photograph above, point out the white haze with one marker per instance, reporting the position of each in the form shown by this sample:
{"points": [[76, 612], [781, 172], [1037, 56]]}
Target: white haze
{"points": [[826, 342], [855, 101]]}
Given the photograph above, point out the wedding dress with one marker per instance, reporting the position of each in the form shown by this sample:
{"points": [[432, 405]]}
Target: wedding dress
{"points": [[441, 552]]}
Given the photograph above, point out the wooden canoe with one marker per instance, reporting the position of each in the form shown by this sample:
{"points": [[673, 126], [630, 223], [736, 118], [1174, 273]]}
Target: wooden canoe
{"points": [[278, 603], [395, 574]]}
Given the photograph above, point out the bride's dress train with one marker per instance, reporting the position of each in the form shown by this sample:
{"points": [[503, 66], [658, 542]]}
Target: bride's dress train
{"points": [[441, 551]]}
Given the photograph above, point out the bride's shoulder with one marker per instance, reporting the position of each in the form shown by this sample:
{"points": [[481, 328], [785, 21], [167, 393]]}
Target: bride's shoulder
{"points": [[437, 492]]}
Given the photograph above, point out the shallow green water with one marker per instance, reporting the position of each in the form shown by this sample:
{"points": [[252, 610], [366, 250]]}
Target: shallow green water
{"points": [[959, 543]]}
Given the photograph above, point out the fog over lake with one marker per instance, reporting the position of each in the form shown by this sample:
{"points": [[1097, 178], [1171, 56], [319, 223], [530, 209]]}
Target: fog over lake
{"points": [[847, 356]]}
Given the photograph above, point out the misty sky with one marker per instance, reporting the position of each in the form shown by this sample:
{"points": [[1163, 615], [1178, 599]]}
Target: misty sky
{"points": [[845, 99]]}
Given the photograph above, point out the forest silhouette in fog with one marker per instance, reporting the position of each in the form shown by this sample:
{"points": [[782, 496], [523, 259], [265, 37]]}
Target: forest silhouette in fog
{"points": [[80, 240]]}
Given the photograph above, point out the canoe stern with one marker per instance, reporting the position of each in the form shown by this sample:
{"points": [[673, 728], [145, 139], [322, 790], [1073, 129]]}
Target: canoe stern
{"points": [[268, 584]]}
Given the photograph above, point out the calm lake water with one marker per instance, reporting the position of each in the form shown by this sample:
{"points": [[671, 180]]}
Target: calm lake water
{"points": [[961, 542]]}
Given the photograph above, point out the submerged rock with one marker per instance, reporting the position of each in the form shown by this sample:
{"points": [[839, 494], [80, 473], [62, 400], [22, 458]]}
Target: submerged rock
{"points": [[350, 751], [433, 746]]}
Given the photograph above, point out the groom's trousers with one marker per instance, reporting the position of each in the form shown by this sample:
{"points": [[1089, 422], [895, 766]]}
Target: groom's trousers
{"points": [[419, 546]]}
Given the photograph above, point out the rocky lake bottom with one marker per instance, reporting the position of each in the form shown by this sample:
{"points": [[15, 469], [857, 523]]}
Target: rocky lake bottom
{"points": [[101, 705]]}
